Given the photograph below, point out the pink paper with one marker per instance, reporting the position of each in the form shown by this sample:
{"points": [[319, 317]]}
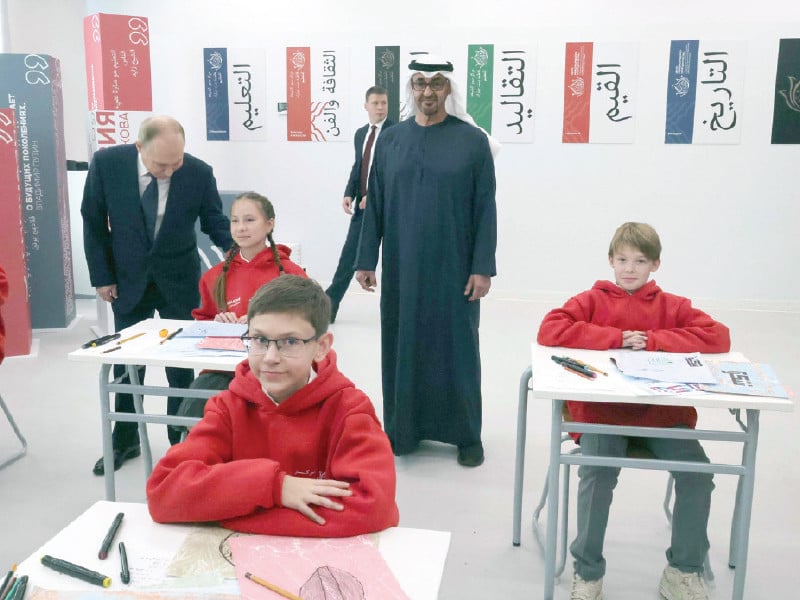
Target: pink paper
{"points": [[313, 564], [221, 343]]}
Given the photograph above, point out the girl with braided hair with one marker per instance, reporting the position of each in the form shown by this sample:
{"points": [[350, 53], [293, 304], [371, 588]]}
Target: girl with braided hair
{"points": [[226, 288]]}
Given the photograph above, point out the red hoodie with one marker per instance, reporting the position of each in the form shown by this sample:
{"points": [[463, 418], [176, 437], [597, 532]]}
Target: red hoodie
{"points": [[231, 467], [242, 281], [595, 320]]}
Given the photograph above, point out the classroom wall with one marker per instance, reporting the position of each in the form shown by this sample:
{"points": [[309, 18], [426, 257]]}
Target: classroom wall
{"points": [[725, 213]]}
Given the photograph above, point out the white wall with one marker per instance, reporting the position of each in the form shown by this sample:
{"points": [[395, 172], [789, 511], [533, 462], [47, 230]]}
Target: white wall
{"points": [[725, 213]]}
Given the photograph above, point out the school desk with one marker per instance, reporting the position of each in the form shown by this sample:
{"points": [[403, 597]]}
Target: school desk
{"points": [[415, 556], [145, 350], [552, 383]]}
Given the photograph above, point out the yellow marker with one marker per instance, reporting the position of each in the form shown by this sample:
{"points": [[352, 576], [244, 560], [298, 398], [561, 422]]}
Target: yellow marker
{"points": [[163, 333]]}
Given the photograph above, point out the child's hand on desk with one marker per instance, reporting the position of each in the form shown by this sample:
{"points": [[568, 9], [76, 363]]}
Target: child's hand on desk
{"points": [[636, 340], [227, 317], [300, 493]]}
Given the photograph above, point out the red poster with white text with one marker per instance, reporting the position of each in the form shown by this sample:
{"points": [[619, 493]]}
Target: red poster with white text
{"points": [[117, 51], [298, 94], [16, 310], [577, 92]]}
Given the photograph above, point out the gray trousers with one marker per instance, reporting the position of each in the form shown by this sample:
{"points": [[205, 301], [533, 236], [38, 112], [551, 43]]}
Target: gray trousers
{"points": [[689, 544], [209, 380]]}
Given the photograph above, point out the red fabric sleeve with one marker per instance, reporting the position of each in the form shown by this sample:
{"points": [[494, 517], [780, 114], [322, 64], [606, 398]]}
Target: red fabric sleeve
{"points": [[570, 326], [695, 331]]}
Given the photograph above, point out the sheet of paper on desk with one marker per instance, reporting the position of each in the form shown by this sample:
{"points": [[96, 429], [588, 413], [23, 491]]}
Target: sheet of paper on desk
{"points": [[131, 594], [665, 366], [189, 346], [744, 378], [303, 565], [222, 343], [201, 329]]}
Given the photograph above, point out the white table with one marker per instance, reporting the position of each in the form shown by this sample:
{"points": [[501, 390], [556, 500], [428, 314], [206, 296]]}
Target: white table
{"points": [[415, 556], [551, 382], [145, 350]]}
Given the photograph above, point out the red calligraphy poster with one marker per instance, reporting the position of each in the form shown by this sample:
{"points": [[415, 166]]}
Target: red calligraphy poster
{"points": [[298, 94], [577, 92]]}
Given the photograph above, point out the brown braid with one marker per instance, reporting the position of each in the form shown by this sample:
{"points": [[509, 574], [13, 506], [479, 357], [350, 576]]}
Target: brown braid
{"points": [[275, 253], [219, 284]]}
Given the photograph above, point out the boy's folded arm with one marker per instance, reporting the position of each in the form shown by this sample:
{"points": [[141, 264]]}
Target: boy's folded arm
{"points": [[569, 326], [361, 455], [197, 481], [696, 332]]}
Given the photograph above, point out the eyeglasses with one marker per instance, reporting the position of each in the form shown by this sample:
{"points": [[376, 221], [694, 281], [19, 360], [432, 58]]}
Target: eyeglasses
{"points": [[436, 84], [289, 347]]}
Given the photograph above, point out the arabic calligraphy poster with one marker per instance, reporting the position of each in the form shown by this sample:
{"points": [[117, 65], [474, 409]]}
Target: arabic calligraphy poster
{"points": [[600, 81], [307, 567], [704, 83], [387, 75], [236, 94], [317, 82], [786, 113], [501, 88]]}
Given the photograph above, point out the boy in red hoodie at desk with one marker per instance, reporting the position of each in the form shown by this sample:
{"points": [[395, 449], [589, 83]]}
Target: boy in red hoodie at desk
{"points": [[635, 313], [291, 447]]}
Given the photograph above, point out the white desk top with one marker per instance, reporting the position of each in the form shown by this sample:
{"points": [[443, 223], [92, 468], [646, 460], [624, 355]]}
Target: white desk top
{"points": [[550, 381], [415, 556], [148, 350]]}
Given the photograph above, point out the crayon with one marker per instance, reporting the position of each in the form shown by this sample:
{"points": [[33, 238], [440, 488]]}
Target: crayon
{"points": [[112, 531], [73, 570]]}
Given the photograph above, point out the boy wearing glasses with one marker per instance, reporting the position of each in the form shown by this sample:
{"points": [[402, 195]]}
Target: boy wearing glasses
{"points": [[292, 447], [633, 312]]}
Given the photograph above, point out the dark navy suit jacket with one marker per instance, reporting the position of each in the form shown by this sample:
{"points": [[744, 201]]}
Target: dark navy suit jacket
{"points": [[353, 188], [115, 239]]}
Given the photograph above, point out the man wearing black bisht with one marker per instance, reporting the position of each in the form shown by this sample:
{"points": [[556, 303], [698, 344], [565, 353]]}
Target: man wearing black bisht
{"points": [[431, 203]]}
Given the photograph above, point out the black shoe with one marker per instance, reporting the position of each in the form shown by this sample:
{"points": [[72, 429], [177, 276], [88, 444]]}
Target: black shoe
{"points": [[470, 455], [120, 456]]}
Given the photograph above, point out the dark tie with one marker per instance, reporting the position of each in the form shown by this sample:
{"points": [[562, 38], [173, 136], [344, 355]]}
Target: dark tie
{"points": [[365, 163], [150, 207]]}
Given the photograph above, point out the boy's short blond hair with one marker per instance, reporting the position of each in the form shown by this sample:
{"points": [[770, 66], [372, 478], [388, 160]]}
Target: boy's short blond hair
{"points": [[637, 235]]}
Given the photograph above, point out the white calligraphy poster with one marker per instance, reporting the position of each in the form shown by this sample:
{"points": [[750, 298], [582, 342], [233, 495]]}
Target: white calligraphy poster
{"points": [[720, 85], [613, 92], [330, 94]]}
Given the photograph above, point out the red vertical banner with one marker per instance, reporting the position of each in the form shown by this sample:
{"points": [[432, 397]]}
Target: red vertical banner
{"points": [[298, 94], [577, 92], [117, 51], [16, 310]]}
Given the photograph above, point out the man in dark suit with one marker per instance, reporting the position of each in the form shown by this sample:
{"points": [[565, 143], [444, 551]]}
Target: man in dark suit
{"points": [[355, 194], [140, 205]]}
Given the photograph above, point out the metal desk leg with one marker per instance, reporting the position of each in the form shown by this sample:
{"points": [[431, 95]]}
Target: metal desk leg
{"points": [[519, 464], [19, 453], [138, 406], [745, 503], [551, 537], [105, 426]]}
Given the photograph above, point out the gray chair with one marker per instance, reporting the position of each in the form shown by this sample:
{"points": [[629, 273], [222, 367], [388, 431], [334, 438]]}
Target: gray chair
{"points": [[24, 450], [634, 451]]}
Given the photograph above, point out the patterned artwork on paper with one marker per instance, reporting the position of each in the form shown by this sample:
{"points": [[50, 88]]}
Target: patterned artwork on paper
{"points": [[307, 567]]}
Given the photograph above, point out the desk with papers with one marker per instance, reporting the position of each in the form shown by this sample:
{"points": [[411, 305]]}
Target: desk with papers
{"points": [[147, 349], [416, 557], [550, 382]]}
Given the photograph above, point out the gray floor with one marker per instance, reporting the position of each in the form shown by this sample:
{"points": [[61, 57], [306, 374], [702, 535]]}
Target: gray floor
{"points": [[55, 404]]}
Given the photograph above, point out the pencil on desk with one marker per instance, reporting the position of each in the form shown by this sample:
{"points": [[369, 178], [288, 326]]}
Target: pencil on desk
{"points": [[133, 337], [271, 586]]}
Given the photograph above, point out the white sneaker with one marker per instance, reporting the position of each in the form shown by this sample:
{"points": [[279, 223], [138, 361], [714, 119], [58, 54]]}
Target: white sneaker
{"points": [[586, 590], [677, 585]]}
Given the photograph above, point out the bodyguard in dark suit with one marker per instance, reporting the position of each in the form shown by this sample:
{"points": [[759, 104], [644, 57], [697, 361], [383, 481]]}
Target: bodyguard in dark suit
{"points": [[355, 194], [140, 205]]}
